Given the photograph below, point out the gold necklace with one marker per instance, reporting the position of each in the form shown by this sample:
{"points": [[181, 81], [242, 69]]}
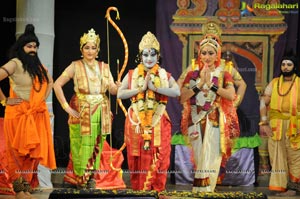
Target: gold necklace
{"points": [[290, 88], [90, 65]]}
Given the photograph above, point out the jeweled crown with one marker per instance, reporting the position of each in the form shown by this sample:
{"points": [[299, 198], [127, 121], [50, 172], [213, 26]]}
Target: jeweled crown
{"points": [[149, 41], [90, 37]]}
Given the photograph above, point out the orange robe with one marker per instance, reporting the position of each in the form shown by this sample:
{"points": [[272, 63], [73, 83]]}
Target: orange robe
{"points": [[28, 136]]}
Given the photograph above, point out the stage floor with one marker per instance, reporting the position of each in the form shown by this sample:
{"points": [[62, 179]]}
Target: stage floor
{"points": [[261, 188]]}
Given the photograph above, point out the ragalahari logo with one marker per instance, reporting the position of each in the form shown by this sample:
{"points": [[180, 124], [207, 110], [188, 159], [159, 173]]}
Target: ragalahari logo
{"points": [[246, 9], [284, 8]]}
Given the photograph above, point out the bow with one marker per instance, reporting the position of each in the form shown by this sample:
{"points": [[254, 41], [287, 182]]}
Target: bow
{"points": [[120, 73]]}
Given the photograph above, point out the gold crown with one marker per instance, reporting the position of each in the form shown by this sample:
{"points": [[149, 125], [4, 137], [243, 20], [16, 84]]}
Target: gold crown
{"points": [[149, 41], [90, 37]]}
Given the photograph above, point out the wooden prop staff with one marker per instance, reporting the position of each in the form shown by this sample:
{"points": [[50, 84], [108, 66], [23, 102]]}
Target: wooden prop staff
{"points": [[120, 73]]}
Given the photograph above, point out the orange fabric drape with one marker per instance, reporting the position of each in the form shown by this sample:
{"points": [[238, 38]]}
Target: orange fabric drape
{"points": [[5, 186], [28, 135]]}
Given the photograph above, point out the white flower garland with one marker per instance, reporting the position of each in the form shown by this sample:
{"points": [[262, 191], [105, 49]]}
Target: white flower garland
{"points": [[202, 98]]}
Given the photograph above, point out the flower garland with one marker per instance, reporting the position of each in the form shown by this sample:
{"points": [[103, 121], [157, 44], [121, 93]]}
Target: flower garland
{"points": [[204, 99], [148, 105]]}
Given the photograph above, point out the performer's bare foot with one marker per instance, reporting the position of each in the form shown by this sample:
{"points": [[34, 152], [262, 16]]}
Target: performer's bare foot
{"points": [[23, 195], [286, 193], [147, 145]]}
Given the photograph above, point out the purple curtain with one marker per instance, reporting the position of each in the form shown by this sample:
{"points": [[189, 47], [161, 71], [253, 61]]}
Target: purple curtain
{"points": [[171, 52]]}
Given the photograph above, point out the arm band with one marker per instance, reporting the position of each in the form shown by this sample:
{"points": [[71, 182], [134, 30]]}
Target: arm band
{"points": [[214, 88], [5, 70], [196, 90]]}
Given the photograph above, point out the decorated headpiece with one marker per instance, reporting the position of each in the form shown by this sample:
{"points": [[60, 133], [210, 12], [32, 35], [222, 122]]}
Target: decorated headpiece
{"points": [[27, 37], [211, 28], [90, 37], [149, 41], [212, 41], [212, 33]]}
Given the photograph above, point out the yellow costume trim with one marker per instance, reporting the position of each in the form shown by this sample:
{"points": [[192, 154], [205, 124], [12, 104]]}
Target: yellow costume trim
{"points": [[276, 114]]}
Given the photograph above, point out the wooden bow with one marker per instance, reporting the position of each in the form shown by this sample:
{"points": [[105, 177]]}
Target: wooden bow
{"points": [[120, 73]]}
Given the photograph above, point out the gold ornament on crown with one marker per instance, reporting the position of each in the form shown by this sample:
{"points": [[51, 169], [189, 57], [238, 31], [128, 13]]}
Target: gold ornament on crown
{"points": [[211, 28], [212, 33], [90, 37], [149, 41]]}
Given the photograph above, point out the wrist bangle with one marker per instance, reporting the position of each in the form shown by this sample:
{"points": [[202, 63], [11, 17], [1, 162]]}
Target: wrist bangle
{"points": [[263, 123], [196, 90], [3, 102], [65, 105], [264, 118], [214, 88]]}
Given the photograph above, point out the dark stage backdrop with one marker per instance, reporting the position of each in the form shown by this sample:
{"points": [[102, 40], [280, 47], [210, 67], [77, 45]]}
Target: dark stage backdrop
{"points": [[8, 30]]}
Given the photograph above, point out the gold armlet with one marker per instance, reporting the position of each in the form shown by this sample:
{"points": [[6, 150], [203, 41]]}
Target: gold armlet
{"points": [[65, 74]]}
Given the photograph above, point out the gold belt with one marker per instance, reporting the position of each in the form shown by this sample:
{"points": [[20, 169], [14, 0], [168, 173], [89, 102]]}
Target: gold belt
{"points": [[91, 99]]}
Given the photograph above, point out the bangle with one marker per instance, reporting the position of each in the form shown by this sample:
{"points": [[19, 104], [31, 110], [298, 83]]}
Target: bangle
{"points": [[214, 88], [65, 105], [3, 102], [263, 123], [264, 118], [196, 90]]}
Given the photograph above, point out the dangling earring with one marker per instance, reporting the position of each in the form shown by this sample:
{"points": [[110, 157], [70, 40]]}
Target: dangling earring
{"points": [[81, 56]]}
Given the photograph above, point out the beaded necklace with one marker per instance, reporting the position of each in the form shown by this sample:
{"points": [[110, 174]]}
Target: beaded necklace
{"points": [[282, 95]]}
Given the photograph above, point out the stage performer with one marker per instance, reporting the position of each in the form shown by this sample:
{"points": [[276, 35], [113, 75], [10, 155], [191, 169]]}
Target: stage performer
{"points": [[280, 120], [147, 125], [90, 117], [27, 126], [208, 92]]}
